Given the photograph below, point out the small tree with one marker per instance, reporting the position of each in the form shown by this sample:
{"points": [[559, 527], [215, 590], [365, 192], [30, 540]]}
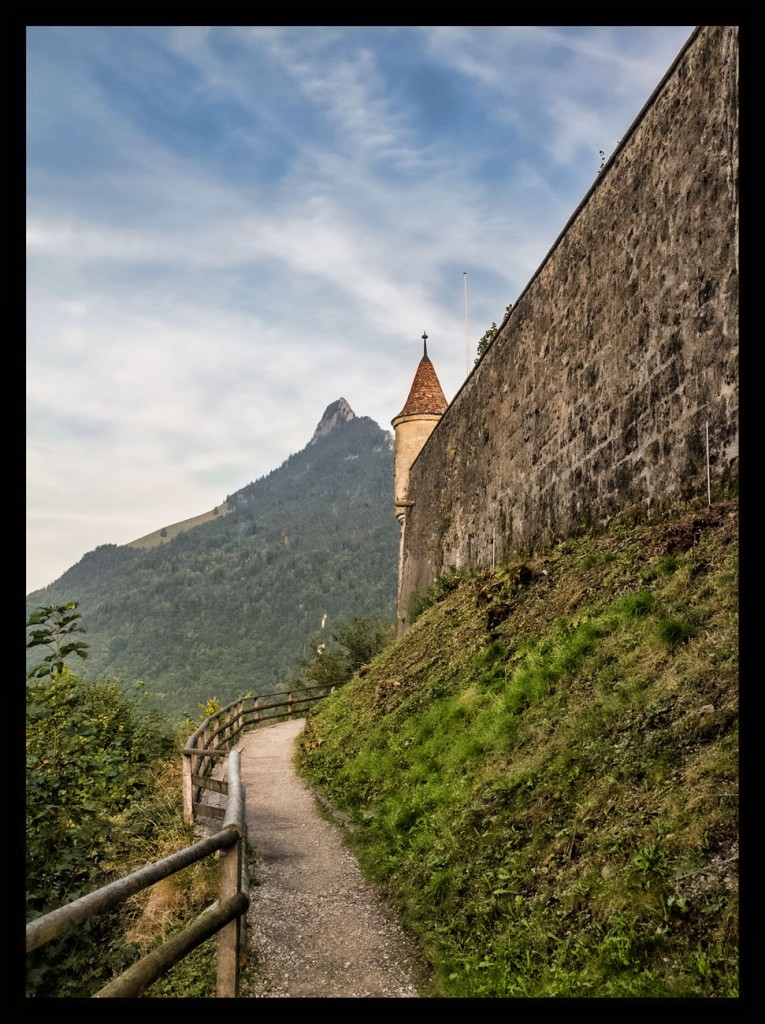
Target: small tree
{"points": [[52, 626], [351, 647], [326, 667], [363, 639], [489, 336]]}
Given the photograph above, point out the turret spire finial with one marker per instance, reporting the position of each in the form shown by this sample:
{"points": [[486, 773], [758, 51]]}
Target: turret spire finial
{"points": [[424, 345]]}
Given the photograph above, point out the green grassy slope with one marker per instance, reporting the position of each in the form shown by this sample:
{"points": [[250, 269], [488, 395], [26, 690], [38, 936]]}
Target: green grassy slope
{"points": [[166, 533], [543, 772]]}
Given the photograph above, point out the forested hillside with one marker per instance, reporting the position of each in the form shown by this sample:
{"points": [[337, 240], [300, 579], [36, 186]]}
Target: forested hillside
{"points": [[230, 606]]}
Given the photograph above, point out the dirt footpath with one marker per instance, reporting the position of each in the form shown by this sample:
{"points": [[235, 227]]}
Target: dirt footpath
{"points": [[316, 928]]}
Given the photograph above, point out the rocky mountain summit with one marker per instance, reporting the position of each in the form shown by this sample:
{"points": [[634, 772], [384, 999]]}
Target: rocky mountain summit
{"points": [[337, 412]]}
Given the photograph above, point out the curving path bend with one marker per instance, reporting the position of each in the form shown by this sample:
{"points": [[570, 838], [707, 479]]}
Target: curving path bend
{"points": [[316, 928]]}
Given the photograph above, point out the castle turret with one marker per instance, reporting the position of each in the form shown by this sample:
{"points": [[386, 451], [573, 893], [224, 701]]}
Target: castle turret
{"points": [[414, 424]]}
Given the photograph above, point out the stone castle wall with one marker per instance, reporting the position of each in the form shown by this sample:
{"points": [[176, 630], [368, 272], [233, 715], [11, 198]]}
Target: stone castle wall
{"points": [[619, 357]]}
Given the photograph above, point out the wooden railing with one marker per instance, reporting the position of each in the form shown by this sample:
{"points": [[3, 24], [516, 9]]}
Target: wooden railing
{"points": [[220, 732], [225, 917], [213, 740]]}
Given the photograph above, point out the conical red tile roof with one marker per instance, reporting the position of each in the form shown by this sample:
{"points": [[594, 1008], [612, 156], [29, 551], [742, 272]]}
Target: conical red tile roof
{"points": [[425, 394]]}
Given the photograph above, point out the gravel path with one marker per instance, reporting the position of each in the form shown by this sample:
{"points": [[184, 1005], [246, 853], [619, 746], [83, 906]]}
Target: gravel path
{"points": [[316, 928]]}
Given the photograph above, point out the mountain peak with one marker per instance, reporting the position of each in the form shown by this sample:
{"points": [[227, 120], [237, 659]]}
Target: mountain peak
{"points": [[337, 412]]}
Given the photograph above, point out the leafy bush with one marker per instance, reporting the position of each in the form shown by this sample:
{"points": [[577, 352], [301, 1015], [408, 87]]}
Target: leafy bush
{"points": [[52, 627], [350, 648], [89, 750]]}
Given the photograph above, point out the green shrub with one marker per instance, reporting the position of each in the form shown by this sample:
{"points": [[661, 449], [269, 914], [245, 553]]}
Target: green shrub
{"points": [[89, 751]]}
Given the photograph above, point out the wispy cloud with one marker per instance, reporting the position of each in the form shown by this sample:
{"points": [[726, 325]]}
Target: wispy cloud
{"points": [[230, 227]]}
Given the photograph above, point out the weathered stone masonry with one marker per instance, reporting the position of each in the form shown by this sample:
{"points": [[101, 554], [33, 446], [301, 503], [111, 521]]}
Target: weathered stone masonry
{"points": [[598, 390]]}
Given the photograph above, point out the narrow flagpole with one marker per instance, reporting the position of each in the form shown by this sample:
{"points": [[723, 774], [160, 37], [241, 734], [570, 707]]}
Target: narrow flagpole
{"points": [[467, 330]]}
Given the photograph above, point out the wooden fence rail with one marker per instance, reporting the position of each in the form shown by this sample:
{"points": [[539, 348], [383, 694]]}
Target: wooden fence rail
{"points": [[211, 741], [218, 733]]}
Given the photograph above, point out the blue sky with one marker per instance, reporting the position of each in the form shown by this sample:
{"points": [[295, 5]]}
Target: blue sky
{"points": [[228, 228]]}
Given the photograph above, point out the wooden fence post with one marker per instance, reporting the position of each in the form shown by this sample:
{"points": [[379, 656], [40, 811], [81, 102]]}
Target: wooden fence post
{"points": [[228, 938], [188, 797], [244, 882], [231, 881]]}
